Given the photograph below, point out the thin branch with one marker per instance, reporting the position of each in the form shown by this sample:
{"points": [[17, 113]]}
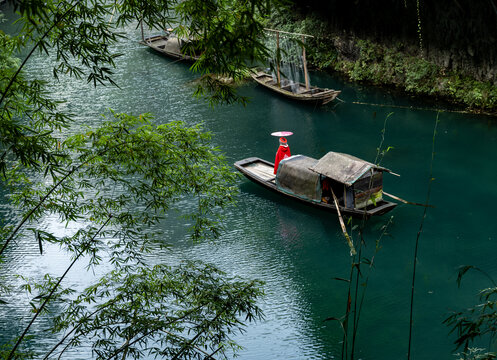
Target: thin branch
{"points": [[12, 79], [128, 342], [39, 311], [87, 317], [357, 266], [417, 239], [191, 342], [32, 211], [363, 295]]}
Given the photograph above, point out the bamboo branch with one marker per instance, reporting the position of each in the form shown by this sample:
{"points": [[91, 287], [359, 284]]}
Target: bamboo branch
{"points": [[87, 317], [42, 200], [11, 82], [407, 202], [428, 193], [39, 311], [192, 341], [342, 224]]}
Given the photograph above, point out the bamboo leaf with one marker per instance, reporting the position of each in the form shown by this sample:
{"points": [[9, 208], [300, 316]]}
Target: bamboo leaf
{"points": [[333, 319], [34, 308], [38, 237], [461, 271]]}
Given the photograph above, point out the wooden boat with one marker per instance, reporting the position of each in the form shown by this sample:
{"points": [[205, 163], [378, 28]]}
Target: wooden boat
{"points": [[169, 46], [312, 95], [356, 184], [302, 92]]}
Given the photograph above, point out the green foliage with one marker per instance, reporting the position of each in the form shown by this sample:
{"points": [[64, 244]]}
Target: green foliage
{"points": [[139, 172], [170, 160], [391, 64], [227, 34], [117, 181], [320, 50], [477, 323], [133, 308], [475, 354], [383, 65], [28, 116]]}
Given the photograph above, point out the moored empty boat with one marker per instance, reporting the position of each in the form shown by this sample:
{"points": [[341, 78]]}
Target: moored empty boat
{"points": [[169, 45], [287, 85], [312, 95]]}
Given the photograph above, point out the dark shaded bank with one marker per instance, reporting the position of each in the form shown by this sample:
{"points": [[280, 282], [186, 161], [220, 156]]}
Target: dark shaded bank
{"points": [[445, 49]]}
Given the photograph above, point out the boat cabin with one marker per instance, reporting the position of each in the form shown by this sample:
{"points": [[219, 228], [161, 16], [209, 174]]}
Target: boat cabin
{"points": [[356, 183]]}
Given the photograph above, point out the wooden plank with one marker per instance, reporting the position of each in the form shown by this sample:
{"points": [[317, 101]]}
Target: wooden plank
{"points": [[262, 170], [260, 166], [382, 208]]}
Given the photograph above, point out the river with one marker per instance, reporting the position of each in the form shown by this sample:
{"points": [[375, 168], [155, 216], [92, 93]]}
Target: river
{"points": [[296, 250]]}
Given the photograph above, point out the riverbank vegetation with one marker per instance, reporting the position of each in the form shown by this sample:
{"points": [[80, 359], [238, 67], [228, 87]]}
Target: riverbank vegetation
{"points": [[389, 61]]}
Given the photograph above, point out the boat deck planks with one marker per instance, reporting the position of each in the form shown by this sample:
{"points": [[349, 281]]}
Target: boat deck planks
{"points": [[262, 170]]}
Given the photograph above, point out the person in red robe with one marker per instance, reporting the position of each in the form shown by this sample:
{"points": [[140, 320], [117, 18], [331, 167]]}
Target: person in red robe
{"points": [[282, 153]]}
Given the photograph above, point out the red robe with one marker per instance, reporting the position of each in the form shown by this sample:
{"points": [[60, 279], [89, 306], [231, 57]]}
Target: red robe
{"points": [[282, 153]]}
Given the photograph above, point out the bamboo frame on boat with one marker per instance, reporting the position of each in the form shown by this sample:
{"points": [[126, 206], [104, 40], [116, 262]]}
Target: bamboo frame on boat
{"points": [[306, 75], [304, 92], [304, 61]]}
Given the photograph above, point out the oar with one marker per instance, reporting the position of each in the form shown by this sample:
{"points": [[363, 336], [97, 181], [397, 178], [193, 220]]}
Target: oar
{"points": [[405, 201], [342, 224]]}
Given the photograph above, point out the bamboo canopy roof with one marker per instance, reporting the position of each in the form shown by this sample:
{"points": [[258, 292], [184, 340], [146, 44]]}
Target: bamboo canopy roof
{"points": [[344, 168]]}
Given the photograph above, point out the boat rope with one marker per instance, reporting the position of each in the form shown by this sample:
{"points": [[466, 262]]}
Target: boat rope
{"points": [[419, 108], [173, 62]]}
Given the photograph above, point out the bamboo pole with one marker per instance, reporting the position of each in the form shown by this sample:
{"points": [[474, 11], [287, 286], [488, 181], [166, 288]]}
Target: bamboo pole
{"points": [[278, 59], [407, 202], [306, 75], [342, 224], [278, 32]]}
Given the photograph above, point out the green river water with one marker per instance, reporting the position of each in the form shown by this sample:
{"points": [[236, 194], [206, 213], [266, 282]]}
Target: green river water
{"points": [[295, 249]]}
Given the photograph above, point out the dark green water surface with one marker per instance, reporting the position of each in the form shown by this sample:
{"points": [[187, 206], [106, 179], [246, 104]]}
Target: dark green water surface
{"points": [[295, 249]]}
